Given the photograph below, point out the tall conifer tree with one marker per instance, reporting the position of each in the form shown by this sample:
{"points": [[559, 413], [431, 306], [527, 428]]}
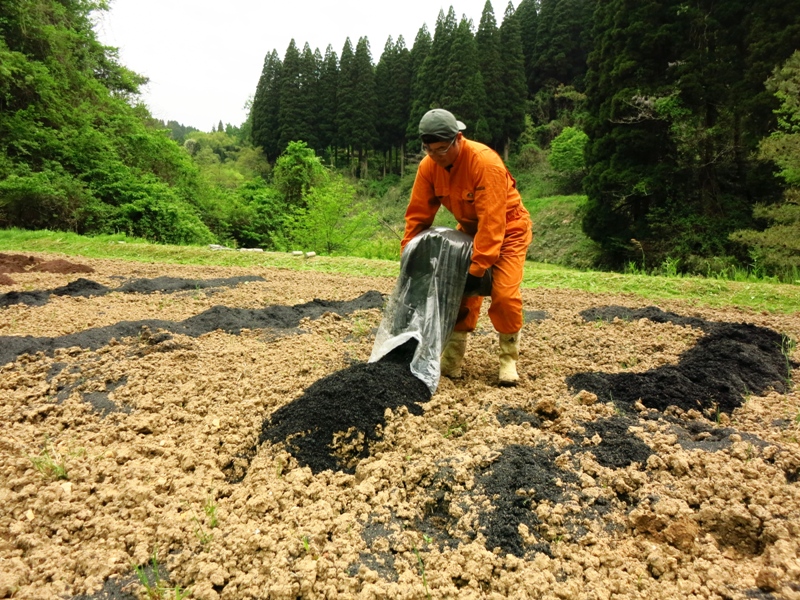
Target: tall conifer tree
{"points": [[673, 125], [514, 90], [345, 100], [393, 90], [357, 102], [384, 90], [432, 73], [487, 41], [326, 99], [417, 107], [462, 91], [266, 104], [630, 155], [562, 42], [527, 14], [365, 134], [294, 114]]}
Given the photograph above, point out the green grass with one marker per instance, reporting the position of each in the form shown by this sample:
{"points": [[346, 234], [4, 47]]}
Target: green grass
{"points": [[50, 463], [762, 296], [125, 248], [558, 238]]}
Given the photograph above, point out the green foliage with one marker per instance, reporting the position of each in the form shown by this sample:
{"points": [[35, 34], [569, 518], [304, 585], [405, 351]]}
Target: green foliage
{"points": [[74, 153], [514, 89], [50, 463], [266, 106], [777, 247], [566, 152], [296, 171], [393, 91], [557, 234], [335, 221], [671, 158], [162, 220]]}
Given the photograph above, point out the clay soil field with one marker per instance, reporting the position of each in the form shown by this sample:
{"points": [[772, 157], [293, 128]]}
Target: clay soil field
{"points": [[217, 433]]}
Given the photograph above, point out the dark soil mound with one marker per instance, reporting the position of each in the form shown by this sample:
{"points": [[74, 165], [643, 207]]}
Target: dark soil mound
{"points": [[34, 298], [516, 416], [16, 263], [532, 471], [233, 320], [61, 266], [700, 434], [535, 316], [344, 410], [6, 280], [81, 287], [227, 319], [733, 360], [652, 313], [168, 285], [86, 287], [618, 447]]}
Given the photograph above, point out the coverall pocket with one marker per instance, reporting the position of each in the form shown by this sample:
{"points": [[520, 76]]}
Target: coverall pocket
{"points": [[468, 205]]}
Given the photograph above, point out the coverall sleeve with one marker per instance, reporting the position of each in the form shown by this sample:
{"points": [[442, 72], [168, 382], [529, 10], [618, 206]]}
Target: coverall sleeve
{"points": [[422, 207], [491, 193]]}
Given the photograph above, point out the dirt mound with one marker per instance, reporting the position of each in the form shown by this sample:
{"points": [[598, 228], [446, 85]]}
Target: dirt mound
{"points": [[731, 361], [6, 280], [60, 266], [230, 320], [333, 423], [87, 287], [651, 313], [34, 298], [81, 287], [168, 285], [16, 263], [614, 446], [521, 478]]}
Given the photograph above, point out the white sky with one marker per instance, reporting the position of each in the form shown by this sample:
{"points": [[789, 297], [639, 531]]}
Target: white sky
{"points": [[204, 58]]}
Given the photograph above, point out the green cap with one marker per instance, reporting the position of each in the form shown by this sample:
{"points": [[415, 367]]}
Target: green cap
{"points": [[440, 123]]}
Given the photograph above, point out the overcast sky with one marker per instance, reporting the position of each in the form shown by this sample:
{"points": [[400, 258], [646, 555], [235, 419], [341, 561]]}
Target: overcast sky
{"points": [[204, 58]]}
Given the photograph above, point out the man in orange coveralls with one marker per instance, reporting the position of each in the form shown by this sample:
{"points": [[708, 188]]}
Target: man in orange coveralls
{"points": [[472, 182]]}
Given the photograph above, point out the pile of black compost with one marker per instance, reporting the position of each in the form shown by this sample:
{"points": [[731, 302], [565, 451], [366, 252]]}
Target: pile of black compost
{"points": [[333, 423], [731, 361], [229, 320], [86, 287]]}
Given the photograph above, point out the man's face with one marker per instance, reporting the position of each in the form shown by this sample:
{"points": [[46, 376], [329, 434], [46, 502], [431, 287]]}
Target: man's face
{"points": [[444, 154]]}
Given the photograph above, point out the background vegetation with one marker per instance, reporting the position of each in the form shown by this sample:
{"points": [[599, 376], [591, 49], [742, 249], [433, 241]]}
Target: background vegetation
{"points": [[656, 138]]}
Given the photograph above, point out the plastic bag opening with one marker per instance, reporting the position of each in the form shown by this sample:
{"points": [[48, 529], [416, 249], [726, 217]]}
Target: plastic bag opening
{"points": [[425, 301]]}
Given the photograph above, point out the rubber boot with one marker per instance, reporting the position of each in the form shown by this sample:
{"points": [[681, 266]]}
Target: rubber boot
{"points": [[509, 353], [453, 354]]}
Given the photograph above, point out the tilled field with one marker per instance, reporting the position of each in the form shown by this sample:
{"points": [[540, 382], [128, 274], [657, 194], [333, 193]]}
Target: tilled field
{"points": [[225, 420]]}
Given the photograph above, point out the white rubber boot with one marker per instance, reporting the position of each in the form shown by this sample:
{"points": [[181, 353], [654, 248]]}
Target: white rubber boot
{"points": [[453, 354], [509, 353]]}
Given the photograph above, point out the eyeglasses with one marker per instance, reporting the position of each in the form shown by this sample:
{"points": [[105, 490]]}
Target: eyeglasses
{"points": [[438, 151]]}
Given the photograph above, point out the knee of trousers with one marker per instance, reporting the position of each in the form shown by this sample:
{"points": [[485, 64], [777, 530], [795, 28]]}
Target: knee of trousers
{"points": [[506, 312]]}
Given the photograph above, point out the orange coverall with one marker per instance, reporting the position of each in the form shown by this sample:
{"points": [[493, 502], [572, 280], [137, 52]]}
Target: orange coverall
{"points": [[483, 197]]}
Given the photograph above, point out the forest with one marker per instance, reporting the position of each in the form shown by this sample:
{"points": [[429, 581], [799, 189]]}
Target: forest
{"points": [[672, 128]]}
